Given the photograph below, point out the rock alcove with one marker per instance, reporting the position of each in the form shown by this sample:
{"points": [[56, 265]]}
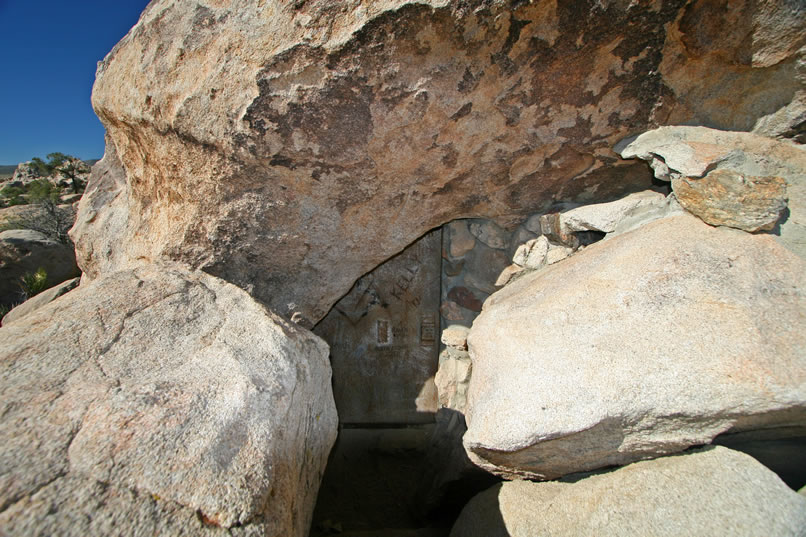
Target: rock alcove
{"points": [[262, 156]]}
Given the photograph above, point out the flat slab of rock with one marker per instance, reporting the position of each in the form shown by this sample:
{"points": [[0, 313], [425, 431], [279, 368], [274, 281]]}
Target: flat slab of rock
{"points": [[605, 217], [639, 346], [174, 385], [712, 491], [42, 299]]}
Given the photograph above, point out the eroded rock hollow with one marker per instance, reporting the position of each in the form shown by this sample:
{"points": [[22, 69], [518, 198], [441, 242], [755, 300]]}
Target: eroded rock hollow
{"points": [[290, 147]]}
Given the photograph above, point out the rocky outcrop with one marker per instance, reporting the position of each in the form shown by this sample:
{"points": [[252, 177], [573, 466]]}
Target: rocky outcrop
{"points": [[562, 233], [42, 299], [705, 492], [271, 143], [641, 345], [735, 179], [453, 375], [156, 399], [24, 251], [727, 198]]}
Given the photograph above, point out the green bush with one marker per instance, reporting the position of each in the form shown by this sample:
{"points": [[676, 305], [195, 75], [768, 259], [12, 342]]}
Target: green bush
{"points": [[13, 195], [42, 190], [33, 284]]}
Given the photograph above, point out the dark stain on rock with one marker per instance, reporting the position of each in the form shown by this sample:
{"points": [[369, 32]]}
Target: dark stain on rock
{"points": [[337, 118], [580, 132], [229, 442], [469, 81], [465, 298], [419, 105], [397, 200], [451, 156], [466, 205], [703, 29], [515, 27], [462, 112], [503, 62], [453, 184], [280, 160], [398, 27], [204, 21]]}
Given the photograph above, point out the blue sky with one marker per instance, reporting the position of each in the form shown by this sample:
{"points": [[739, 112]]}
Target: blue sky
{"points": [[48, 53]]}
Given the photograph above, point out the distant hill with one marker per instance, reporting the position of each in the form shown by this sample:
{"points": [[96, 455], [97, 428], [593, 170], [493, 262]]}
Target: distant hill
{"points": [[7, 171]]}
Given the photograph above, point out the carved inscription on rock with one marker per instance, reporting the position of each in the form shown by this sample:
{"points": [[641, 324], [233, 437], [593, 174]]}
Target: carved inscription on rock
{"points": [[383, 338]]}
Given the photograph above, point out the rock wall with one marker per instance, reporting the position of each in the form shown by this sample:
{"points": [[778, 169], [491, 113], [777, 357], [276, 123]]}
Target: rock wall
{"points": [[290, 147], [384, 340]]}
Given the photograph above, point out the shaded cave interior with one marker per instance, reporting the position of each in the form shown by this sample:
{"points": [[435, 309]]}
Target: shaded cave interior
{"points": [[398, 467], [383, 474]]}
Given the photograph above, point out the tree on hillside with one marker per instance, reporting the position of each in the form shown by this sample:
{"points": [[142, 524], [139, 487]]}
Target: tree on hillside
{"points": [[67, 166], [39, 167]]}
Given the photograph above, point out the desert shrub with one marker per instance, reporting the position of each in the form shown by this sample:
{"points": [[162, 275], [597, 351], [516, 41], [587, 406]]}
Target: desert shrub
{"points": [[13, 195], [32, 284], [42, 190], [44, 214]]}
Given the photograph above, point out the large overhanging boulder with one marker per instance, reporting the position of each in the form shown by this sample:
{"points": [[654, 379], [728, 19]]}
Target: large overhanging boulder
{"points": [[290, 147], [157, 401]]}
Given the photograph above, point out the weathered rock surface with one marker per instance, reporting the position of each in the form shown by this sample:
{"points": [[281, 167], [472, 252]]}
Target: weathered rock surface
{"points": [[712, 491], [676, 153], [455, 336], [168, 395], [509, 274], [452, 379], [40, 300], [268, 143], [76, 507], [638, 346], [24, 251], [727, 198]]}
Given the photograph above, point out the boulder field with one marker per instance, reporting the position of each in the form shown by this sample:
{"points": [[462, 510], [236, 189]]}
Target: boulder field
{"points": [[269, 159]]}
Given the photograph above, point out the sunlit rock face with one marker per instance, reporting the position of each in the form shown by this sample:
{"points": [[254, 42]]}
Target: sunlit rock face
{"points": [[290, 147]]}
